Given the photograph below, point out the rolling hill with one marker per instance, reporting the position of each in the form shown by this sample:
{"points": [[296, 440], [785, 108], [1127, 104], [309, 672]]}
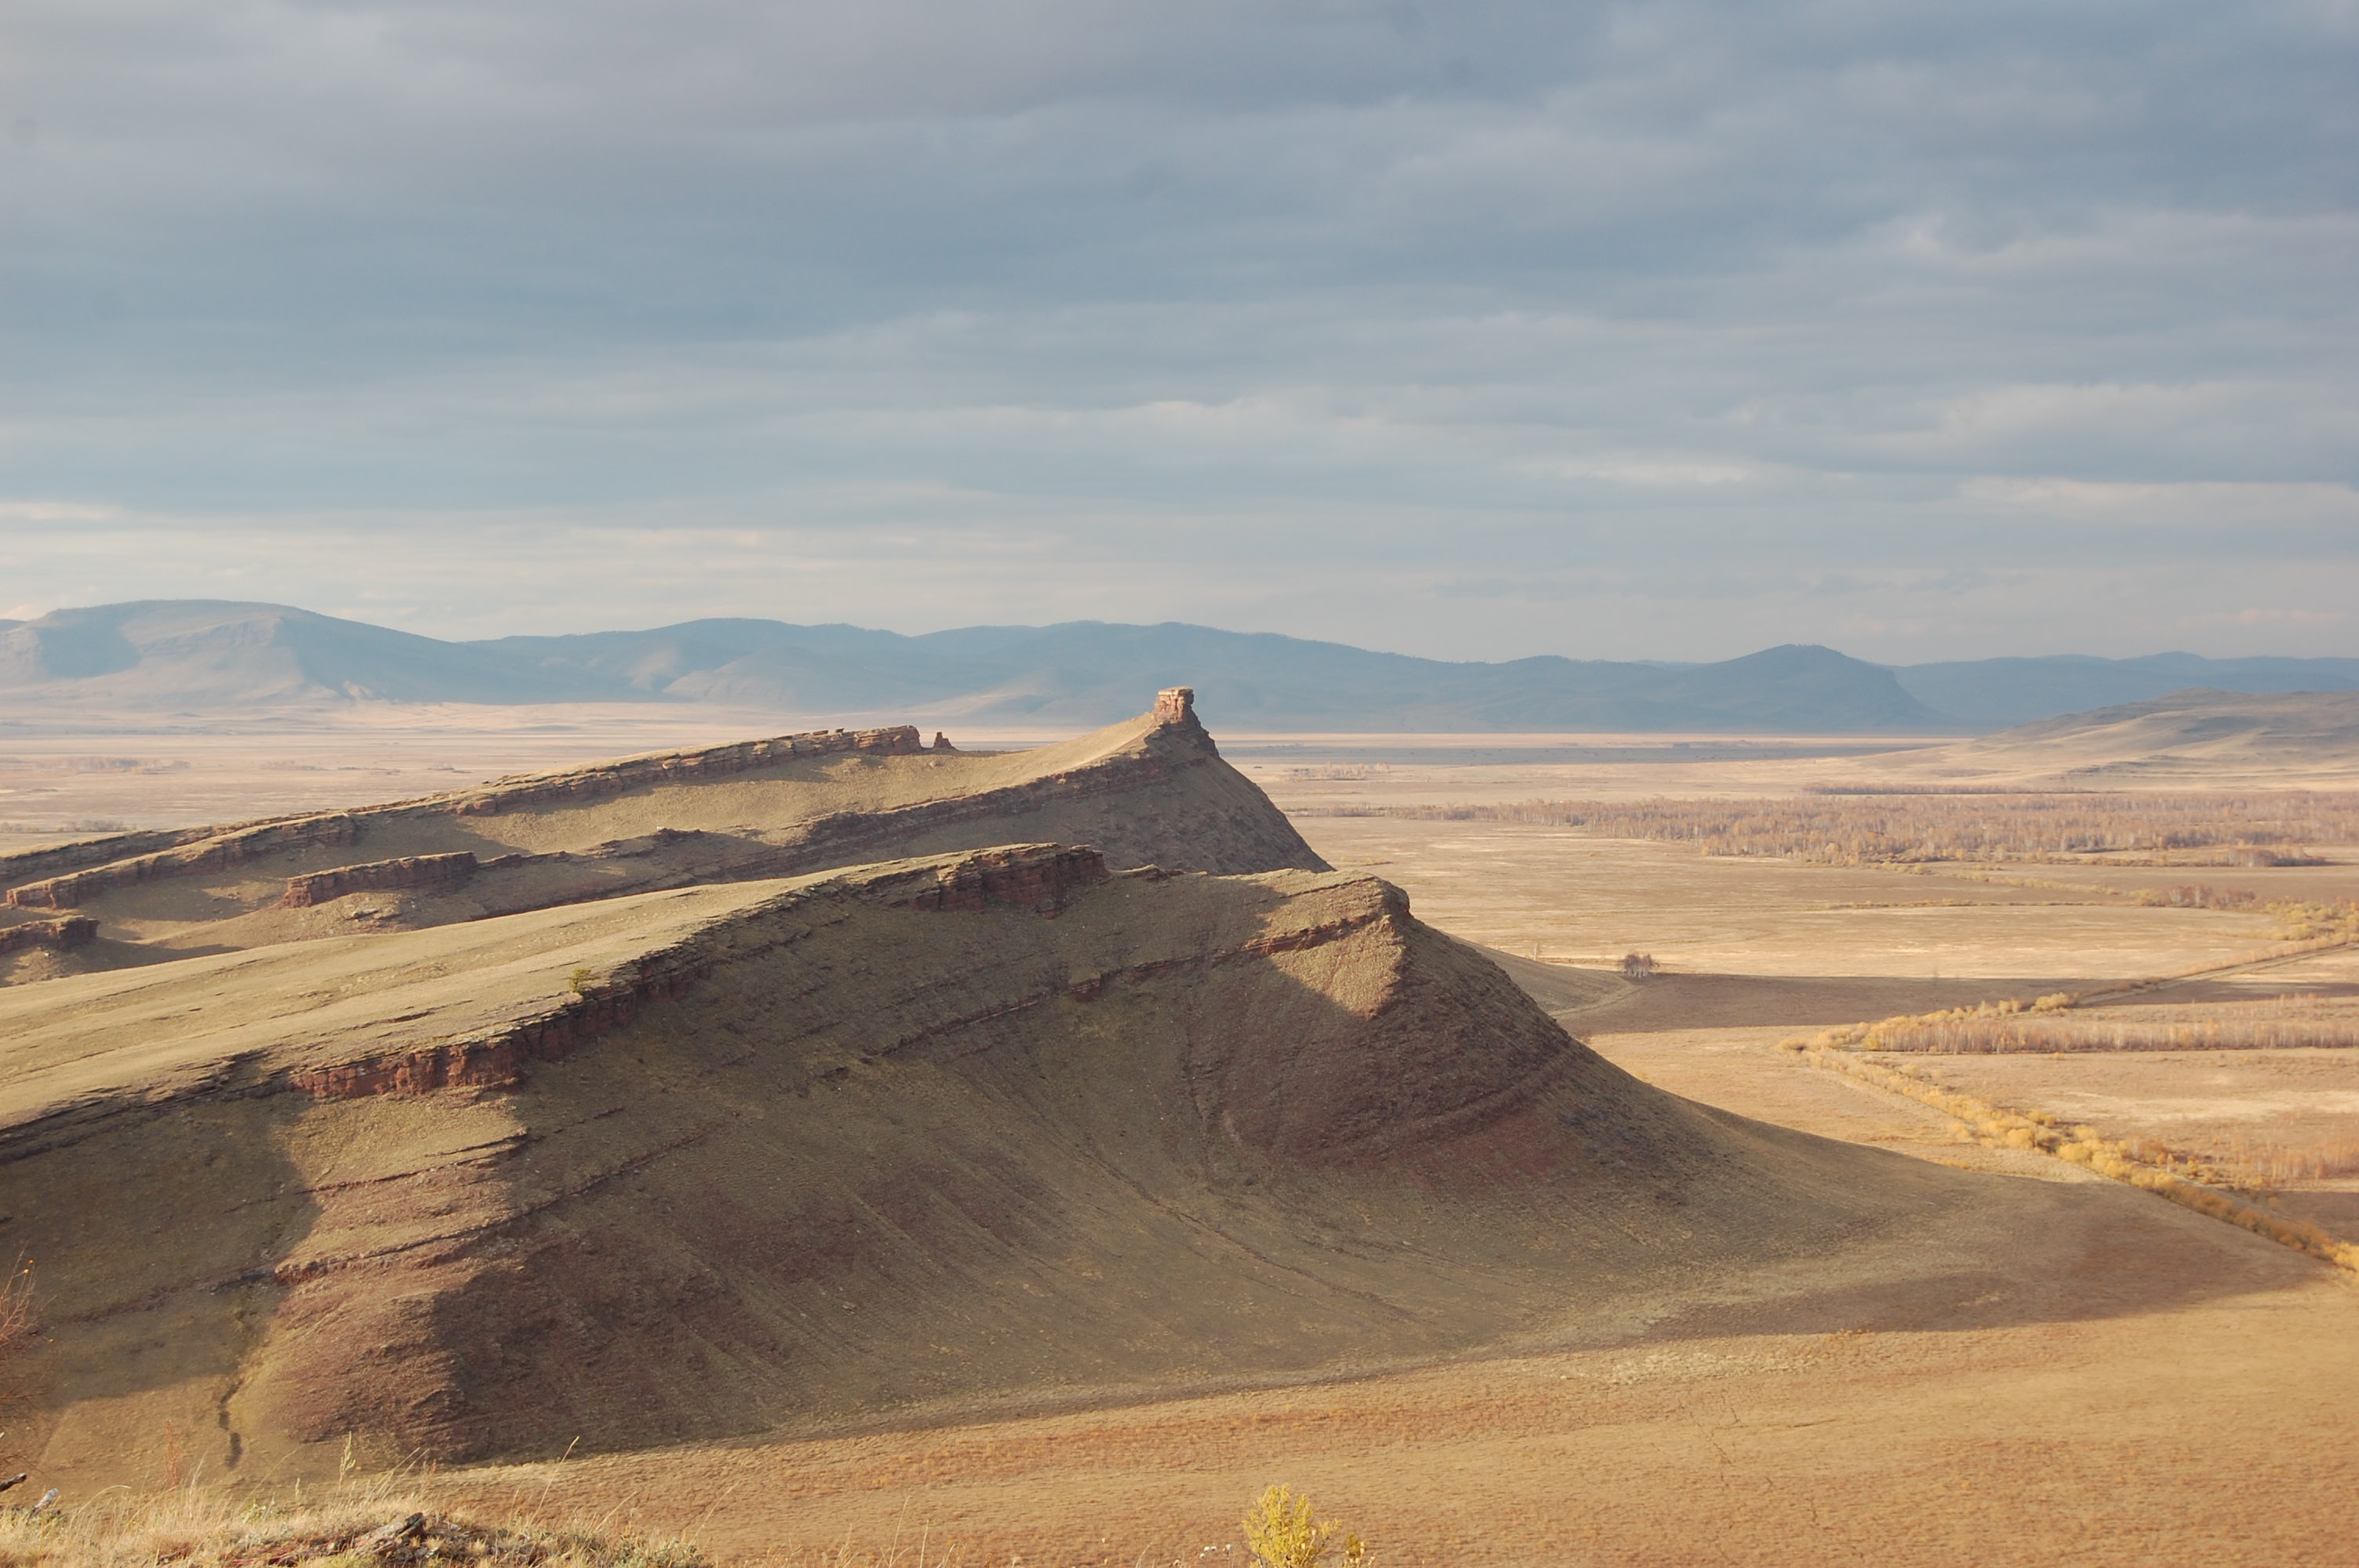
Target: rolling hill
{"points": [[472, 1169], [2195, 738]]}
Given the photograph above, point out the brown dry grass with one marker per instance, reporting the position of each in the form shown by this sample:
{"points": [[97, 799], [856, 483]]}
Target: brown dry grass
{"points": [[2282, 1023], [358, 1527], [2264, 1162], [2247, 829], [2137, 1164], [19, 1335]]}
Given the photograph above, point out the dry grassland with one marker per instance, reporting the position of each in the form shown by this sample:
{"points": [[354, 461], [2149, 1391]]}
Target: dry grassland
{"points": [[1936, 1424], [2296, 1020], [384, 1523], [2090, 1377], [1871, 1432]]}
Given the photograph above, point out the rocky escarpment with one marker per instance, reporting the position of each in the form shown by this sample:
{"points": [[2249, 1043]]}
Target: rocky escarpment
{"points": [[19, 866], [469, 1038], [216, 853], [683, 767], [720, 1158], [429, 872], [73, 931], [81, 872], [1155, 791]]}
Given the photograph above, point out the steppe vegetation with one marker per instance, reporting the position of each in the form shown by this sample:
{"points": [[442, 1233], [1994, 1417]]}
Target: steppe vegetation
{"points": [[1845, 827], [2167, 1173], [1284, 1531], [1786, 1425], [2292, 1021], [19, 1336], [369, 1526]]}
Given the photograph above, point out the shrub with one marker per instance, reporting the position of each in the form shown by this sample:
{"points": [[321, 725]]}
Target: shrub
{"points": [[1284, 1532]]}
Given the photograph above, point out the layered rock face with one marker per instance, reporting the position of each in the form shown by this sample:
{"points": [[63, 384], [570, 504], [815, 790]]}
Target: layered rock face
{"points": [[763, 1087], [731, 1158], [406, 872], [73, 931], [1152, 791]]}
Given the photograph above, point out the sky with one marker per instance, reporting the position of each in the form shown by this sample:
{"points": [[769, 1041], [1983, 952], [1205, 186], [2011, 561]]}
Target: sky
{"points": [[1473, 330]]}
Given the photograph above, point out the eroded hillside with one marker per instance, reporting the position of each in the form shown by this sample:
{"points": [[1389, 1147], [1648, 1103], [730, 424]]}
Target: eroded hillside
{"points": [[718, 1160], [1153, 790]]}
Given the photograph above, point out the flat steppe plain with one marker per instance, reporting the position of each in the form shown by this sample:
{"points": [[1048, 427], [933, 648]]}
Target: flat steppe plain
{"points": [[2139, 1385]]}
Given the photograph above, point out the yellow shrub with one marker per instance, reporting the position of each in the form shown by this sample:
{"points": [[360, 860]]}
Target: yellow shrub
{"points": [[1283, 1532]]}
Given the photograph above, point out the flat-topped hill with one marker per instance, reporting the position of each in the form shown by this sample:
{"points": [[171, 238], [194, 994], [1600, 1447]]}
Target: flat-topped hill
{"points": [[1003, 1124], [1153, 789]]}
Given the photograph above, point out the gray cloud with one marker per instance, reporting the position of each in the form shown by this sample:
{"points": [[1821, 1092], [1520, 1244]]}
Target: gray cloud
{"points": [[1312, 314]]}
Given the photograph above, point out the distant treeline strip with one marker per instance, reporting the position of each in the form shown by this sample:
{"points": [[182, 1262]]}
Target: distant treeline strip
{"points": [[2249, 829], [2235, 1026]]}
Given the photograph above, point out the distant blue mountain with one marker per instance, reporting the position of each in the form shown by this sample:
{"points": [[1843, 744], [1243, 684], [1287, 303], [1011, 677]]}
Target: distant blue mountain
{"points": [[1090, 672], [197, 656]]}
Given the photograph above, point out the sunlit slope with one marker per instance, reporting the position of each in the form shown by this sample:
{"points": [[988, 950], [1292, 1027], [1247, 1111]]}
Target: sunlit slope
{"points": [[986, 1126], [1153, 790], [2187, 740]]}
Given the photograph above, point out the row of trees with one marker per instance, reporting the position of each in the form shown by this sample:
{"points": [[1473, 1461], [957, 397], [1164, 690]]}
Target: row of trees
{"points": [[2191, 828]]}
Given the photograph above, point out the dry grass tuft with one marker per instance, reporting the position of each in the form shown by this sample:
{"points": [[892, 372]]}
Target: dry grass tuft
{"points": [[374, 1528], [20, 1333]]}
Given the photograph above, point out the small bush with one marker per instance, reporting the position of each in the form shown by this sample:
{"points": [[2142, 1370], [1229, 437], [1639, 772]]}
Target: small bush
{"points": [[1284, 1532]]}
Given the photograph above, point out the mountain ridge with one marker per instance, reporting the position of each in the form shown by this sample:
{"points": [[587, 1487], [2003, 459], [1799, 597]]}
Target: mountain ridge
{"points": [[210, 655]]}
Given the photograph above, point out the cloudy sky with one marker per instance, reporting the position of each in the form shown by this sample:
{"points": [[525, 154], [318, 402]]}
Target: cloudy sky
{"points": [[1473, 330]]}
